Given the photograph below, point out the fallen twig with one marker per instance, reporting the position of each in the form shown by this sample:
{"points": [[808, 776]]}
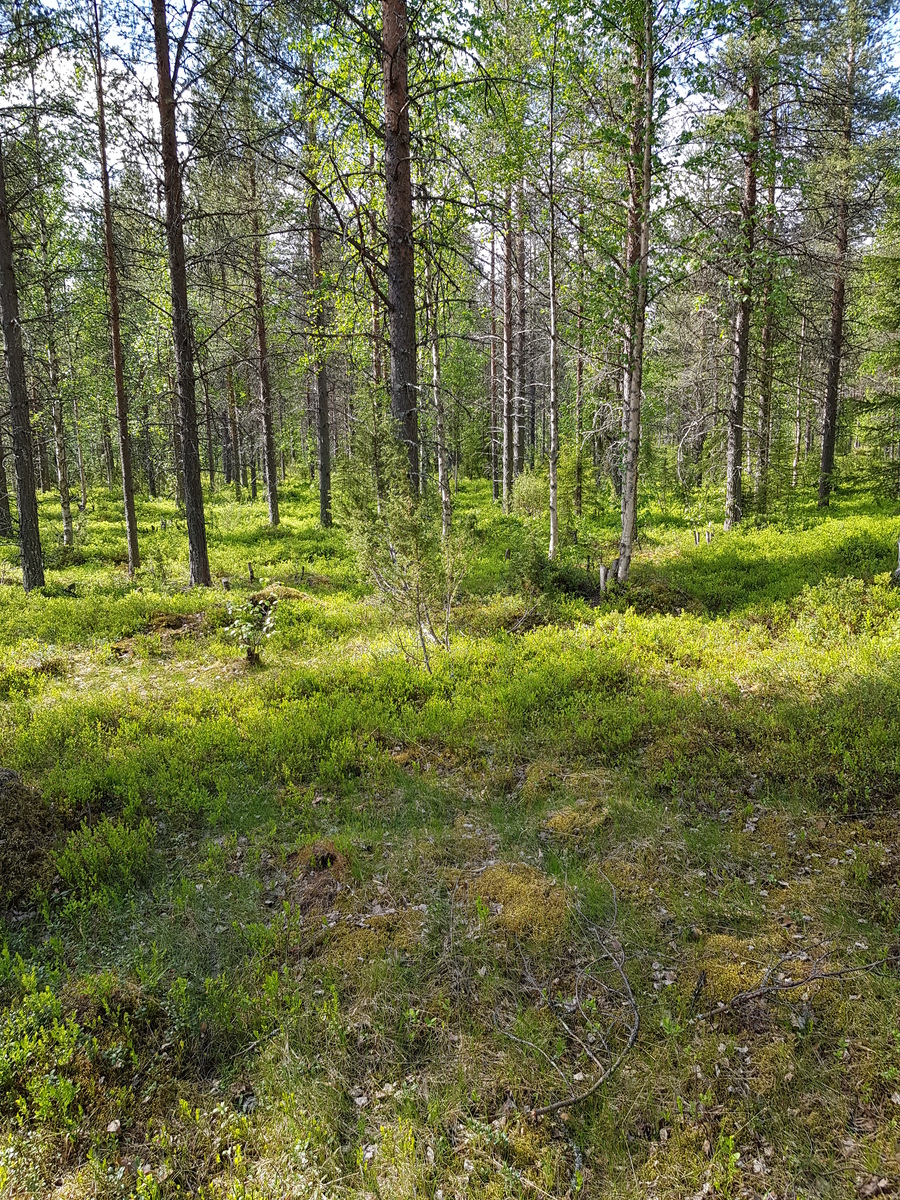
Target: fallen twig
{"points": [[767, 989]]}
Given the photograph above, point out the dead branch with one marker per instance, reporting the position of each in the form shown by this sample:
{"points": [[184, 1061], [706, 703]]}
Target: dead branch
{"points": [[768, 989]]}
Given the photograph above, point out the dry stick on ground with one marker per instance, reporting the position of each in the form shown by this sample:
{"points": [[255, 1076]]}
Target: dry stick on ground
{"points": [[616, 957], [768, 989]]}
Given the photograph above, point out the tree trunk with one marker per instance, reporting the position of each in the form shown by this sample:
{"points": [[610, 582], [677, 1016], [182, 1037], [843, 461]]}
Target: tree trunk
{"points": [[767, 371], [798, 423], [495, 416], [20, 416], [6, 521], [554, 388], [431, 317], [270, 468], [79, 453], [521, 331], [509, 400], [112, 279], [579, 360], [640, 179], [838, 288], [399, 213], [40, 438], [741, 326], [235, 435], [323, 416], [181, 317]]}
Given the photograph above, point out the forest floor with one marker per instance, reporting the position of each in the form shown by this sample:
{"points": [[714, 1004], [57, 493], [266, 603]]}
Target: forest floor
{"points": [[335, 927]]}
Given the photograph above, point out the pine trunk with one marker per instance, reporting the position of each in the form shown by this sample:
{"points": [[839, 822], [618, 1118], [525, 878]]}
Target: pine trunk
{"points": [[399, 213], [20, 416], [181, 317]]}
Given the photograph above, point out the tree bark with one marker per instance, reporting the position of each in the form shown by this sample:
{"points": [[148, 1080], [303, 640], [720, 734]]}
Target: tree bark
{"points": [[742, 312], [112, 280], [440, 433], [509, 399], [323, 416], [6, 522], [838, 291], [399, 213], [638, 255], [270, 468], [798, 421], [554, 386], [767, 371], [495, 416], [181, 317], [521, 331], [20, 416], [235, 434]]}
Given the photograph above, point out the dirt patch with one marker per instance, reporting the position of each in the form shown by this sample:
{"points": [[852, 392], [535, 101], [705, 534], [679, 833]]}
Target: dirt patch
{"points": [[29, 830], [172, 625], [317, 870]]}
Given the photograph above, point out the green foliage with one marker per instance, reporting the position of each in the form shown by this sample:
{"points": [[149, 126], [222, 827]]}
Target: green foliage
{"points": [[111, 857], [37, 1043], [400, 548], [311, 888], [252, 624]]}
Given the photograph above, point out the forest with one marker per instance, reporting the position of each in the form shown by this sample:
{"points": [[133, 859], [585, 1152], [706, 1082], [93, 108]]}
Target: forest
{"points": [[449, 600]]}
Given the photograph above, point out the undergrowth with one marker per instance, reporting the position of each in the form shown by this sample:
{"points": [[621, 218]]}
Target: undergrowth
{"points": [[336, 924]]}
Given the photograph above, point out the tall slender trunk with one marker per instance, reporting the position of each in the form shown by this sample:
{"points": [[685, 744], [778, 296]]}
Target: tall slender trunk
{"points": [[767, 372], [40, 438], [6, 522], [838, 290], [399, 213], [210, 446], [79, 452], [235, 433], [521, 331], [56, 411], [640, 180], [270, 468], [148, 452], [579, 360], [554, 388], [20, 416], [495, 416], [741, 325], [106, 444], [509, 400], [323, 416], [112, 280], [440, 433], [798, 422], [181, 316]]}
